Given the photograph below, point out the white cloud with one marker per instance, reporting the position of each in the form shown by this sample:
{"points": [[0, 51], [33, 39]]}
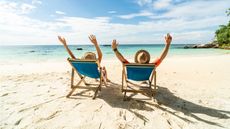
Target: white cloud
{"points": [[161, 4], [26, 8], [198, 9], [60, 12], [112, 12], [143, 2], [13, 7], [36, 2], [133, 15]]}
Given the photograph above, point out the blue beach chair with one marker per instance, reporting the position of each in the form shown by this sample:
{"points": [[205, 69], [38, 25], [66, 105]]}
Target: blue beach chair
{"points": [[85, 68], [138, 72]]}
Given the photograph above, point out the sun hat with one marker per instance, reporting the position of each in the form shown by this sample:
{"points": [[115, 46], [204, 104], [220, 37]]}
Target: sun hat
{"points": [[89, 56], [142, 57]]}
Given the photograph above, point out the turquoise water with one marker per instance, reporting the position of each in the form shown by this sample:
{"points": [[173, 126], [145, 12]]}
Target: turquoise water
{"points": [[58, 53]]}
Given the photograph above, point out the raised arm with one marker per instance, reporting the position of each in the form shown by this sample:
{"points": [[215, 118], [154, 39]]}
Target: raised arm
{"points": [[93, 39], [168, 40], [63, 41], [117, 53]]}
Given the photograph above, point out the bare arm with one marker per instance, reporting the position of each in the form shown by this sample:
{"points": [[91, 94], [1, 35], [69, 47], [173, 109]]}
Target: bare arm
{"points": [[168, 40], [93, 39], [63, 41], [117, 53]]}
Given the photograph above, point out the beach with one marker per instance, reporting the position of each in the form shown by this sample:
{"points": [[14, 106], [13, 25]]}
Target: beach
{"points": [[192, 93]]}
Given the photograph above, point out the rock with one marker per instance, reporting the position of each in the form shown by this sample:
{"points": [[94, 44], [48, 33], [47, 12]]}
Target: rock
{"points": [[79, 48], [209, 45]]}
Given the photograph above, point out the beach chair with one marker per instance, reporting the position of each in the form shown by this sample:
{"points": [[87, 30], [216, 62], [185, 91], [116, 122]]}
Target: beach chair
{"points": [[138, 72], [85, 68]]}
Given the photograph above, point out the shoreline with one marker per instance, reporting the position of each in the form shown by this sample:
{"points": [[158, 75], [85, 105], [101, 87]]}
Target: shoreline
{"points": [[62, 65]]}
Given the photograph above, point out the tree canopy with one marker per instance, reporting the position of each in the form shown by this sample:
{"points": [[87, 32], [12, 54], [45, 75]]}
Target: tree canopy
{"points": [[223, 33]]}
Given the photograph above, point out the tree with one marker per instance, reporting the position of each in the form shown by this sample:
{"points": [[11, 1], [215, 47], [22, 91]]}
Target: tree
{"points": [[223, 33], [228, 12]]}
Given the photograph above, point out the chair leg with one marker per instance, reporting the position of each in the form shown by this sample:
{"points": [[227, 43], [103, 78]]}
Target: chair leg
{"points": [[100, 85], [70, 93], [122, 81], [95, 94], [150, 88], [74, 88], [72, 78], [124, 98], [155, 80]]}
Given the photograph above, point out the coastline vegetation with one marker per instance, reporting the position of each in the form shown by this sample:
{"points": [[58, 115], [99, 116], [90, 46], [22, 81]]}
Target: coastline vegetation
{"points": [[223, 34], [222, 38]]}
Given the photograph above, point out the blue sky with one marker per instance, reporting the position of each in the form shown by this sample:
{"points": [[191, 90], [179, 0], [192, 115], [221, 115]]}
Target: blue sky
{"points": [[29, 22]]}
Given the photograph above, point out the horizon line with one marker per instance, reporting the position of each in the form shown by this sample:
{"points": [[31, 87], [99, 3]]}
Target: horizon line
{"points": [[92, 44]]}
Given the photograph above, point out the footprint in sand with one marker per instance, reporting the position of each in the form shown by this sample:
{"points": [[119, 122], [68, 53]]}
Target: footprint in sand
{"points": [[49, 117], [5, 94], [18, 122], [52, 95], [122, 114]]}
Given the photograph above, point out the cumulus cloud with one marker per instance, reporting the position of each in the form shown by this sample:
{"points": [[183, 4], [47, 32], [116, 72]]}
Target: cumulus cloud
{"points": [[143, 2], [161, 4], [17, 8], [26, 8], [133, 15], [60, 12], [36, 2]]}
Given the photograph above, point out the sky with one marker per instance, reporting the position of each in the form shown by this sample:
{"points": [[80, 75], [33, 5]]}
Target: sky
{"points": [[39, 22]]}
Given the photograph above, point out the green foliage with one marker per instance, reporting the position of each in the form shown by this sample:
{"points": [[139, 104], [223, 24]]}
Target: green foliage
{"points": [[228, 12], [225, 46], [223, 33]]}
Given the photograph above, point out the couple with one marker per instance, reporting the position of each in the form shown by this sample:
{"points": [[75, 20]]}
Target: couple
{"points": [[141, 56]]}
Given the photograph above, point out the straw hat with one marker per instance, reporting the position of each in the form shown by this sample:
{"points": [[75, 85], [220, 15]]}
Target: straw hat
{"points": [[142, 57], [89, 56]]}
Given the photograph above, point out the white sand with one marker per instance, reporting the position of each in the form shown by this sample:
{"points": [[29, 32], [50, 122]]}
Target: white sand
{"points": [[193, 93]]}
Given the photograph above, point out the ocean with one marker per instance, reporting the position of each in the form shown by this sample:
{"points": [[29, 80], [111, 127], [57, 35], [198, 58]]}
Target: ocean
{"points": [[38, 53]]}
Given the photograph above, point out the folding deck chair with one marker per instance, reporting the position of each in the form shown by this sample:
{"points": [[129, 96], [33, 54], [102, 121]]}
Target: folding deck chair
{"points": [[138, 72], [85, 68]]}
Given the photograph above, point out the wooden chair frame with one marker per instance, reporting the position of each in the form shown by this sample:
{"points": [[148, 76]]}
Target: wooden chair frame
{"points": [[82, 78], [126, 88]]}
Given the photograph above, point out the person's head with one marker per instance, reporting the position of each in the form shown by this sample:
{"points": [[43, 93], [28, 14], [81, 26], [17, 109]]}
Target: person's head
{"points": [[89, 56], [142, 57]]}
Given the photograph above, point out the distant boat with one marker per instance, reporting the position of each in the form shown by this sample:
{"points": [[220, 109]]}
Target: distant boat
{"points": [[79, 48], [32, 51]]}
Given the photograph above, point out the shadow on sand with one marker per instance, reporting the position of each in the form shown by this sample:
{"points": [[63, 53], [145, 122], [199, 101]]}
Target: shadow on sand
{"points": [[165, 100]]}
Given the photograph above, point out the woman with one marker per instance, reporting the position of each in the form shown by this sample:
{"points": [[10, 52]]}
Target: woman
{"points": [[143, 56], [87, 55]]}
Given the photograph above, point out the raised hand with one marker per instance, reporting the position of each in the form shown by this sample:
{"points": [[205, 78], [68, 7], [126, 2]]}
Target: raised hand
{"points": [[93, 39], [62, 40], [114, 44], [168, 39]]}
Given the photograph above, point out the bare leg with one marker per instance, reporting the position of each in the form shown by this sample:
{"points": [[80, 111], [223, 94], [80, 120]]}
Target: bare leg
{"points": [[105, 74]]}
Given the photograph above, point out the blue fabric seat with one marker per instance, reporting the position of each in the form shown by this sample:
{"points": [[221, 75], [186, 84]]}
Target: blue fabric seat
{"points": [[139, 73], [89, 69]]}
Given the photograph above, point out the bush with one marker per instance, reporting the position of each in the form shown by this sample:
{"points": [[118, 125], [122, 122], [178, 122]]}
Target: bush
{"points": [[223, 34]]}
